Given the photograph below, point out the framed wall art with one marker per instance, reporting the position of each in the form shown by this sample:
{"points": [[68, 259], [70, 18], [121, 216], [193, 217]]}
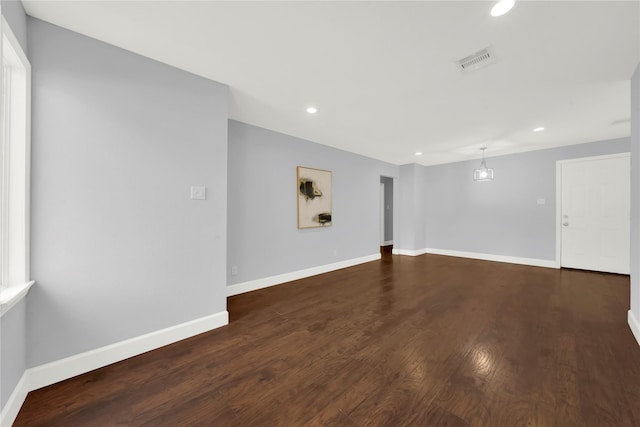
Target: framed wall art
{"points": [[314, 197]]}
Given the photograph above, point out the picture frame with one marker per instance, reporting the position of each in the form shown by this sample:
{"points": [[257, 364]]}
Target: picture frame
{"points": [[315, 193]]}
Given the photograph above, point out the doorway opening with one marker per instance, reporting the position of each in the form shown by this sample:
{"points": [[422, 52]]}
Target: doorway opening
{"points": [[386, 215]]}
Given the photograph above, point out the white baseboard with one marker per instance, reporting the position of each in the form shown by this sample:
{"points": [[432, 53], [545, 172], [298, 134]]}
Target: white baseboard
{"points": [[252, 285], [387, 243], [59, 370], [477, 255], [408, 252], [634, 324], [13, 405], [536, 262]]}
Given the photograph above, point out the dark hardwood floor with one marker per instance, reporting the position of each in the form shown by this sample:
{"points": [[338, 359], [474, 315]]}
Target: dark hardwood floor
{"points": [[407, 341]]}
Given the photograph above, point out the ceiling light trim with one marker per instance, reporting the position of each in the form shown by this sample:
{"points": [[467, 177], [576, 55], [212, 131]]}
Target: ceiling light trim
{"points": [[502, 7]]}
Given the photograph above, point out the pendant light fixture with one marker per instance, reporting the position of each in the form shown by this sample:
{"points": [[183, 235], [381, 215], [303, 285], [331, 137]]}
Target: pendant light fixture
{"points": [[483, 173]]}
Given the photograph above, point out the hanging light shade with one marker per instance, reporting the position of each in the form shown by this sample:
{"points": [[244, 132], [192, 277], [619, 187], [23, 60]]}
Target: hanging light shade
{"points": [[483, 173]]}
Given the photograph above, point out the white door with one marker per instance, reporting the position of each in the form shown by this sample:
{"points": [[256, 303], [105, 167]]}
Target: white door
{"points": [[595, 214]]}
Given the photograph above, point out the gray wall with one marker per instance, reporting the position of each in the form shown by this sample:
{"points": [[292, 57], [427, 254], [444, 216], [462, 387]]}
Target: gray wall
{"points": [[13, 324], [388, 207], [412, 209], [118, 248], [13, 12], [13, 349], [501, 217], [635, 193], [263, 238], [405, 236]]}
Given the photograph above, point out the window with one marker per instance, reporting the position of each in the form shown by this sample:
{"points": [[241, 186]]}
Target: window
{"points": [[14, 169]]}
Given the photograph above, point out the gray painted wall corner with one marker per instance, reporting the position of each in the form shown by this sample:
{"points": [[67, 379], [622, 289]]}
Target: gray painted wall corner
{"points": [[264, 240], [502, 217], [13, 12], [118, 248], [405, 237], [413, 200]]}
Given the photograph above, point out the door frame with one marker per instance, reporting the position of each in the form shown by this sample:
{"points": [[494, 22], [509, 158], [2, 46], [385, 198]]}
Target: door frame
{"points": [[382, 206], [395, 200], [559, 163]]}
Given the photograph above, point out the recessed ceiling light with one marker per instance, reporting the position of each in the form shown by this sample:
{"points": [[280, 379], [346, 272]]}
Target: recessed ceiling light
{"points": [[312, 110], [540, 129], [502, 7], [419, 153]]}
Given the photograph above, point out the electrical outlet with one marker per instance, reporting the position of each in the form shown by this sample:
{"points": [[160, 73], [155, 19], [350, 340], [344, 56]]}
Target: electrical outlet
{"points": [[541, 201], [234, 270]]}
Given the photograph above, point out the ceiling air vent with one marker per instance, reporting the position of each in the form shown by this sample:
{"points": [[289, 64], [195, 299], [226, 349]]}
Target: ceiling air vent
{"points": [[480, 59]]}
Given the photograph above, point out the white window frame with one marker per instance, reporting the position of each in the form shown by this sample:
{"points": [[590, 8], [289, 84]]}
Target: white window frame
{"points": [[15, 171]]}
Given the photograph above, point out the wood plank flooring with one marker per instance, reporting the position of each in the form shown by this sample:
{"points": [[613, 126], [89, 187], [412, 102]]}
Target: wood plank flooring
{"points": [[407, 341]]}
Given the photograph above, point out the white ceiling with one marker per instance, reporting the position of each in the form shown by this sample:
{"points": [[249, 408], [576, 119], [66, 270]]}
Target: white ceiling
{"points": [[382, 74]]}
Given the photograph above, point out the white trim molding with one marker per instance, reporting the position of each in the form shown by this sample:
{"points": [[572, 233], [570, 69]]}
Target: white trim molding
{"points": [[252, 285], [535, 262], [60, 370], [408, 252], [15, 401], [595, 158], [634, 324], [15, 114], [51, 373], [11, 295]]}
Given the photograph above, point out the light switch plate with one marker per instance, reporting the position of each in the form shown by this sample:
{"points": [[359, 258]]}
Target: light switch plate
{"points": [[198, 193]]}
